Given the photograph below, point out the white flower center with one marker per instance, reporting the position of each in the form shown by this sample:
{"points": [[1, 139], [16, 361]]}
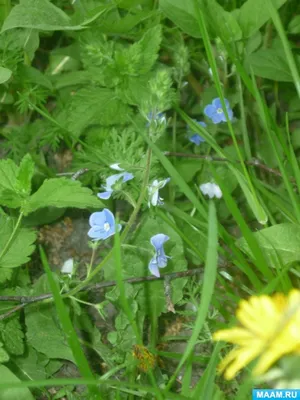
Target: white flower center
{"points": [[219, 110], [106, 227]]}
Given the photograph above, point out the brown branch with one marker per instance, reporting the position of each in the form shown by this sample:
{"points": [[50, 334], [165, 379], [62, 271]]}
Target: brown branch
{"points": [[26, 300], [254, 163]]}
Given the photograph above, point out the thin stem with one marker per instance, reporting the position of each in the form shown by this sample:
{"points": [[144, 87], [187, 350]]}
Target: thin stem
{"points": [[90, 266], [12, 236], [127, 228], [243, 118]]}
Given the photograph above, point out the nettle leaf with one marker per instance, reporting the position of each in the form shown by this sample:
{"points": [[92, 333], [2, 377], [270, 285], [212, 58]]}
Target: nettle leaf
{"points": [[280, 243], [38, 14], [95, 106], [12, 393], [270, 64], [44, 333], [139, 58], [254, 14], [5, 74], [30, 365], [151, 295], [12, 336], [61, 192], [15, 182], [21, 247]]}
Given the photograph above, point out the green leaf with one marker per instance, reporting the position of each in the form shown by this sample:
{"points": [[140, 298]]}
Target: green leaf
{"points": [[5, 74], [38, 14], [67, 326], [182, 13], [8, 174], [294, 26], [44, 333], [25, 174], [279, 241], [12, 336], [34, 76], [4, 357], [61, 192], [95, 106], [253, 202], [30, 365], [270, 64], [12, 393], [21, 247], [254, 14]]}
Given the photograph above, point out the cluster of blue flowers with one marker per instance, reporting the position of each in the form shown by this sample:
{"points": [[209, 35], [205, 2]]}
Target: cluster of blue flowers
{"points": [[216, 113], [103, 224]]}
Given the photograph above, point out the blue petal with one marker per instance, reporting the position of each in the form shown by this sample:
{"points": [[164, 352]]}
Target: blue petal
{"points": [[127, 176], [97, 218], [197, 139], [97, 233], [153, 267], [226, 103], [158, 240], [105, 195], [209, 110], [109, 217], [230, 113], [217, 103], [111, 180], [217, 118], [202, 124]]}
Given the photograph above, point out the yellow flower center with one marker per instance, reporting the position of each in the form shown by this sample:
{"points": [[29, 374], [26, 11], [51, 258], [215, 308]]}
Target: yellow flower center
{"points": [[106, 227]]}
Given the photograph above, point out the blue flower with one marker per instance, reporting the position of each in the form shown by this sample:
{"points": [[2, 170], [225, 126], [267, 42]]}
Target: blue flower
{"points": [[196, 138], [102, 225], [160, 259], [215, 111], [153, 192], [110, 182]]}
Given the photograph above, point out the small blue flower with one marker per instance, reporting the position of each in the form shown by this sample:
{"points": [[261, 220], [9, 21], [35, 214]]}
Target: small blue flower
{"points": [[160, 259], [196, 138], [102, 225], [153, 191], [111, 181], [215, 111]]}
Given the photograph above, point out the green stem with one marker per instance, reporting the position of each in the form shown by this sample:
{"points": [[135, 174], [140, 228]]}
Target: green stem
{"points": [[243, 119], [12, 236]]}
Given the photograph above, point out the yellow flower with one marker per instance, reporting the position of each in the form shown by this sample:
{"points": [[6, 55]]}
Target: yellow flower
{"points": [[270, 329]]}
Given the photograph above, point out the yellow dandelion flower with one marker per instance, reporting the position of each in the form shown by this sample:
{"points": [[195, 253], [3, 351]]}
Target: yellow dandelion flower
{"points": [[270, 329]]}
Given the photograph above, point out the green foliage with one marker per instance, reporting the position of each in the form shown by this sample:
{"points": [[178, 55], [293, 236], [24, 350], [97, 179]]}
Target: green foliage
{"points": [[41, 15], [12, 336], [92, 89], [21, 247]]}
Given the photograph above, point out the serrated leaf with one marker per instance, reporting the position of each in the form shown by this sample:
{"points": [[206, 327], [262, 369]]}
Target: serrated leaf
{"points": [[12, 336], [278, 242], [21, 247], [8, 174], [95, 106], [5, 274], [5, 74], [151, 295], [25, 174], [254, 14], [12, 393], [38, 14], [44, 333], [61, 192]]}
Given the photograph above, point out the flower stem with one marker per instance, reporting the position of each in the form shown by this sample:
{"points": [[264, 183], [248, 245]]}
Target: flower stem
{"points": [[126, 230], [12, 236]]}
